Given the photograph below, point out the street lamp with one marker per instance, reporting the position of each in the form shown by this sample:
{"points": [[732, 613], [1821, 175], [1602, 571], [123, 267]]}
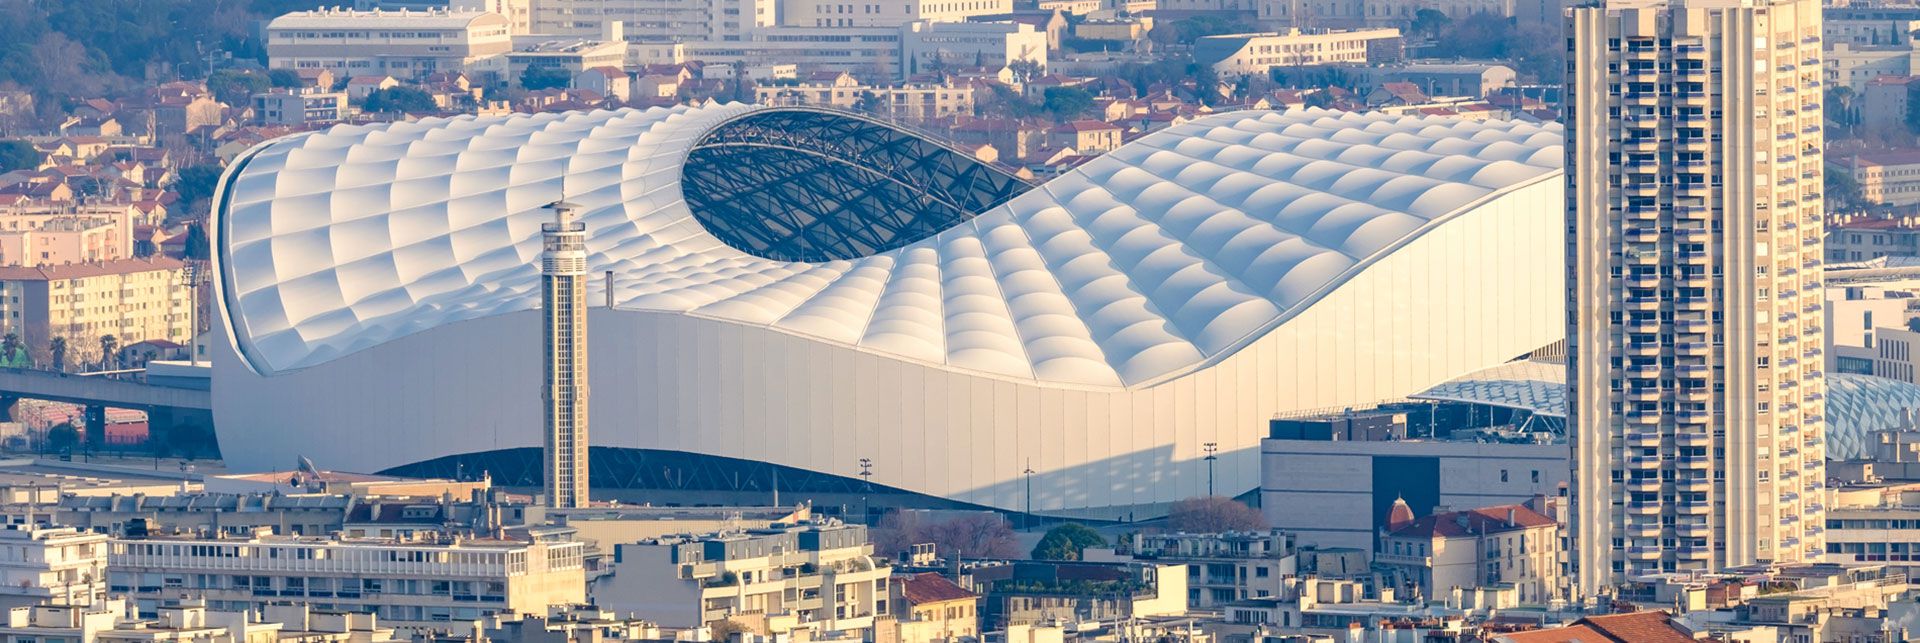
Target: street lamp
{"points": [[866, 483], [1211, 448], [1029, 475], [192, 273]]}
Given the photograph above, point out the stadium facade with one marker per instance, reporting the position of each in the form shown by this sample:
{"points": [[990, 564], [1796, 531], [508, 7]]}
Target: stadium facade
{"points": [[808, 288]]}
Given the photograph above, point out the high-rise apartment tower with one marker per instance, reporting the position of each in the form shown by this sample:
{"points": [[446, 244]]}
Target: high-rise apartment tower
{"points": [[563, 277], [1693, 266]]}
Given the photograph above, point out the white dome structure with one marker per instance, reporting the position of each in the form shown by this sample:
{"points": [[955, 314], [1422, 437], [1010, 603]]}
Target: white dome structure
{"points": [[807, 289]]}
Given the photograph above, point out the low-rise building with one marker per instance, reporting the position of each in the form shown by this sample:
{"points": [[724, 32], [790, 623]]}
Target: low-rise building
{"points": [[1884, 103], [402, 44], [1890, 178], [1489, 547], [1029, 592], [51, 565], [1853, 66], [131, 299], [1866, 239], [416, 586], [569, 57], [1222, 568], [289, 108], [915, 101], [820, 577], [925, 46], [1087, 137], [1254, 53], [929, 608]]}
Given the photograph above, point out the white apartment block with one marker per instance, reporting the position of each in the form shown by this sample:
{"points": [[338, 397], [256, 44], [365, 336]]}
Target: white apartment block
{"points": [[655, 21], [412, 586], [55, 236], [519, 13], [1222, 568], [1694, 250], [913, 101], [42, 564], [870, 53], [819, 577], [1853, 67], [1255, 53], [925, 45], [1357, 13], [1853, 317], [401, 44], [838, 13]]}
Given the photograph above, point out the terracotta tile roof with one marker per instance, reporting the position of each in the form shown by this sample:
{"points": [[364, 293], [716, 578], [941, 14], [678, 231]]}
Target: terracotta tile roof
{"points": [[1088, 125], [79, 270], [1637, 627], [1485, 520], [921, 589], [1889, 157]]}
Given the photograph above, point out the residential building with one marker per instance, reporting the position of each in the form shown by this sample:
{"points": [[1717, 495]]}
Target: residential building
{"points": [[1086, 137], [572, 57], [572, 624], [565, 393], [1852, 316], [286, 108], [655, 21], [1884, 102], [1222, 568], [1853, 66], [402, 44], [1473, 80], [925, 45], [59, 234], [1867, 239], [914, 101], [519, 13], [872, 53], [1502, 545], [1694, 255], [1869, 24], [415, 586], [360, 87], [1894, 355], [611, 82], [1886, 177], [1030, 592], [1254, 53], [131, 299], [1637, 627], [820, 577], [46, 564], [188, 621], [818, 13], [928, 608]]}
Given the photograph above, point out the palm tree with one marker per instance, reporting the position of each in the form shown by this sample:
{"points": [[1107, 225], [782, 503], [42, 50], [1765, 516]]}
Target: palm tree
{"points": [[9, 346], [108, 346], [59, 350]]}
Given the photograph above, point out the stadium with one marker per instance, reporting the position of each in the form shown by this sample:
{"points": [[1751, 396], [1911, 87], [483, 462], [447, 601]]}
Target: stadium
{"points": [[807, 289]]}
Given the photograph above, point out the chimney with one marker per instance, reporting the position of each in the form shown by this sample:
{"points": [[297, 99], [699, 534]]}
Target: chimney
{"points": [[1510, 511]]}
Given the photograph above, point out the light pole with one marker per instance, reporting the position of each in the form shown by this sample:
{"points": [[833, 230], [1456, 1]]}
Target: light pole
{"points": [[1029, 475], [192, 273], [866, 483], [1211, 448]]}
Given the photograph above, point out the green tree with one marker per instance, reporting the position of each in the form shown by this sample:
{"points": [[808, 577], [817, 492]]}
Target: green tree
{"points": [[1066, 103], [1067, 542], [1430, 22], [399, 99], [284, 78], [109, 351], [538, 78], [235, 86], [13, 354], [58, 349], [1843, 192], [63, 438], [195, 184], [869, 102], [1214, 514], [197, 242], [19, 155]]}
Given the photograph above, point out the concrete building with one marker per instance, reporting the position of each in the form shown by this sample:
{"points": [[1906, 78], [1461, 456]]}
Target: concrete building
{"points": [[823, 13], [563, 305], [655, 21], [820, 578], [925, 45], [571, 57], [131, 299], [1884, 101], [1086, 136], [1869, 24], [414, 586], [914, 101], [1694, 254], [1853, 66], [1853, 315], [1867, 239], [1222, 568], [43, 564], [402, 44], [1885, 177], [1039, 592], [1489, 547], [519, 13], [1472, 80], [928, 608], [288, 108], [1255, 53], [65, 235]]}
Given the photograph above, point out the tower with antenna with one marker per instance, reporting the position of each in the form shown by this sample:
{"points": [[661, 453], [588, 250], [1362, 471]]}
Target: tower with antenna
{"points": [[563, 277]]}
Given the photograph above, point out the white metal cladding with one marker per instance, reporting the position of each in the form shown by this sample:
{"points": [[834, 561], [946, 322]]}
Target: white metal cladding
{"points": [[1477, 291], [1153, 261]]}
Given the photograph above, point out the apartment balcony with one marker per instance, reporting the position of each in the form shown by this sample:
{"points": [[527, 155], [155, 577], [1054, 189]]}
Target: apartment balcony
{"points": [[1643, 508], [1647, 529], [1645, 213], [1643, 349], [1692, 371], [1642, 234], [1646, 189], [1643, 371], [1690, 190], [1692, 326], [1692, 439], [1646, 324], [1693, 349], [1693, 485], [1694, 461], [1690, 99], [1648, 121], [1693, 552], [1690, 143], [1643, 462], [1693, 417], [1692, 303], [1642, 304], [1641, 98], [1647, 485], [1644, 553], [1643, 418], [1691, 212], [1693, 509], [1692, 235], [1692, 530], [1649, 394]]}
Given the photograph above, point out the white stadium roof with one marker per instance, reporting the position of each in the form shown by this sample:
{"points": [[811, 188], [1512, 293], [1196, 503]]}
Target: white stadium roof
{"points": [[1140, 265]]}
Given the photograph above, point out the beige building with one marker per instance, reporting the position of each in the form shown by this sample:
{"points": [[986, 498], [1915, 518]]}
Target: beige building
{"points": [[1891, 178], [412, 586], [42, 564], [1255, 53], [1694, 335], [402, 44], [928, 608], [1087, 137], [1853, 66], [834, 13], [654, 21], [51, 235], [916, 101], [131, 299], [1511, 545], [818, 577]]}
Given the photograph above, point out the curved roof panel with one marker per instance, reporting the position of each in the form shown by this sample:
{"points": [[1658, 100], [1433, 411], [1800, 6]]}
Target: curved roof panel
{"points": [[1153, 260]]}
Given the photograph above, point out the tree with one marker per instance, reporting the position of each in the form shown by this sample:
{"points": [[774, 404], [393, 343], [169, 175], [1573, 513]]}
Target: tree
{"points": [[1843, 192], [63, 437], [399, 99], [1214, 514], [284, 78], [13, 354], [869, 102], [1067, 542], [538, 78], [58, 348], [977, 535], [722, 630], [1914, 324], [19, 155], [1025, 70], [109, 351], [235, 86], [197, 242], [195, 184], [1430, 22], [1066, 103]]}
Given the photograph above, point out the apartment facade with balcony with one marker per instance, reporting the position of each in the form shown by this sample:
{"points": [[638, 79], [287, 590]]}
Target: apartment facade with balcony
{"points": [[1694, 268]]}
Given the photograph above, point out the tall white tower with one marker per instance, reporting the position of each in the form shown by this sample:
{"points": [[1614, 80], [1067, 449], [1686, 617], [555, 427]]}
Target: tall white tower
{"points": [[1694, 295], [563, 270]]}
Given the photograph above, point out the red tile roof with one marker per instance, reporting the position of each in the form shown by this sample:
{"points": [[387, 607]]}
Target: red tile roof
{"points": [[1088, 125], [1485, 520], [79, 270], [1889, 157], [921, 589], [1637, 627]]}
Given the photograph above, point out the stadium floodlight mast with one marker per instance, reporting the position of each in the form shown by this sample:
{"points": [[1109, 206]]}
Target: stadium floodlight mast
{"points": [[1211, 448]]}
